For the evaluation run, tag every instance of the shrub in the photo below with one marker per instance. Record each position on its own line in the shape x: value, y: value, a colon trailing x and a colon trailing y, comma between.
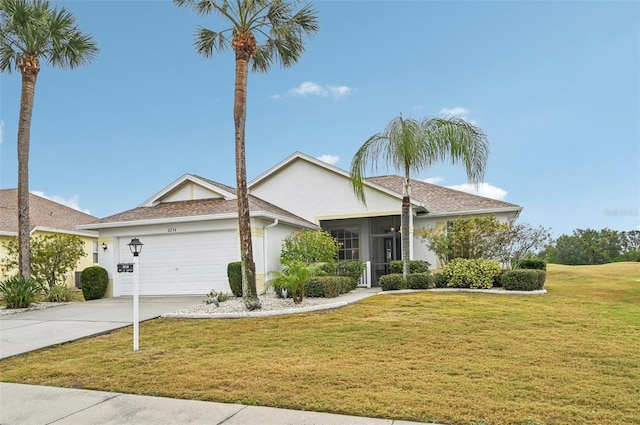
x: 19, y: 292
x: 391, y: 282
x: 293, y: 279
x: 215, y: 297
x: 94, y: 281
x: 234, y: 274
x: 327, y: 286
x: 59, y: 294
x: 420, y: 281
x: 497, y: 281
x: 415, y: 266
x: 523, y: 279
x: 309, y: 246
x: 351, y: 269
x: 471, y: 273
x: 532, y: 264
x: 440, y: 280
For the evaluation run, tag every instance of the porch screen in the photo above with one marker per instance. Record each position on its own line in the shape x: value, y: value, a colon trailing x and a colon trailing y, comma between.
x: 348, y: 243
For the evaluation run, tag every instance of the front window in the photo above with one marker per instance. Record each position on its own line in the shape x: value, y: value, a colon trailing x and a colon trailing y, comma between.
x: 348, y: 243
x: 95, y: 252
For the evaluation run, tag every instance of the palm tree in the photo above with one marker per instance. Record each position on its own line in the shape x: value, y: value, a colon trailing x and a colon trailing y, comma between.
x: 413, y: 145
x: 261, y: 32
x: 31, y: 31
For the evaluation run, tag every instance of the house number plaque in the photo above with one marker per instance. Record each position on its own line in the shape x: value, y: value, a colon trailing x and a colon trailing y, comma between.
x: 125, y: 267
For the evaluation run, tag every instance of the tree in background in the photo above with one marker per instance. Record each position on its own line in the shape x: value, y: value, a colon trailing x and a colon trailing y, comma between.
x: 589, y: 246
x: 31, y: 31
x: 52, y: 258
x: 260, y: 32
x: 411, y: 146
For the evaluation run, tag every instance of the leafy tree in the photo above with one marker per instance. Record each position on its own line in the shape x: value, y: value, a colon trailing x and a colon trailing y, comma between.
x: 413, y: 145
x: 586, y: 246
x: 52, y: 258
x: 260, y: 32
x: 309, y: 246
x: 31, y: 31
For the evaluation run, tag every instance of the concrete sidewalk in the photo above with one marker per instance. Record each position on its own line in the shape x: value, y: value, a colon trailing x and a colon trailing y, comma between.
x: 36, y: 405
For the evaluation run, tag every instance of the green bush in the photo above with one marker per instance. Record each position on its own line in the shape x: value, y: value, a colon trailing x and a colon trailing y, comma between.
x: 523, y: 279
x: 415, y: 266
x: 309, y: 246
x: 420, y: 281
x: 351, y: 269
x: 94, y: 281
x: 59, y: 294
x: 327, y: 286
x: 532, y: 264
x: 234, y: 274
x: 19, y: 292
x: 471, y: 273
x: 391, y: 282
x: 497, y: 281
x: 440, y: 280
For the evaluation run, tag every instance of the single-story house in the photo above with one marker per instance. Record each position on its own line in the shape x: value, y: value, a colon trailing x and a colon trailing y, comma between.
x: 47, y: 217
x: 190, y: 231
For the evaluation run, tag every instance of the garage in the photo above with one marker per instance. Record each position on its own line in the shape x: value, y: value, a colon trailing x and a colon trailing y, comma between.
x: 180, y: 263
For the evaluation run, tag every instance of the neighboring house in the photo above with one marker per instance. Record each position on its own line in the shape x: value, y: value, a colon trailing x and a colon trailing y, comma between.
x: 47, y: 217
x: 189, y: 232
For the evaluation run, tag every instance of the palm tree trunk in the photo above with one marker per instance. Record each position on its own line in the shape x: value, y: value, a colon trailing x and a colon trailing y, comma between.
x: 404, y: 224
x: 249, y: 290
x: 29, y: 69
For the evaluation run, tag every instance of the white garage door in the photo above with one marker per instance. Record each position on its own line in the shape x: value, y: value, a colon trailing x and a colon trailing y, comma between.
x: 181, y: 263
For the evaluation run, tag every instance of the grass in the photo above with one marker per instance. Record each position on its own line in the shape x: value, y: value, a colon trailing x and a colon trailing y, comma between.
x: 568, y: 357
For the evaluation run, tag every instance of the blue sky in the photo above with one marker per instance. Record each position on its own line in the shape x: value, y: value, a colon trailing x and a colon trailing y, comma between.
x: 555, y: 85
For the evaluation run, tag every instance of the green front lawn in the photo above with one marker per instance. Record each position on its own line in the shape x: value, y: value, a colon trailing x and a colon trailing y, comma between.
x: 568, y: 357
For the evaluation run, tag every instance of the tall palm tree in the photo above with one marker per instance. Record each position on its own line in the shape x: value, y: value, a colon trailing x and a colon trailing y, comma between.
x: 410, y: 145
x: 260, y: 32
x: 31, y: 31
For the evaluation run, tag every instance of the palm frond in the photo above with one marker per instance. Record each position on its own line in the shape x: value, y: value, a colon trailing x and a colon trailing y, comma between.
x: 206, y: 41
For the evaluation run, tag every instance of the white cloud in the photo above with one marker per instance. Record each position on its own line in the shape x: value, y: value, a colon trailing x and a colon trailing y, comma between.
x: 71, y: 202
x: 458, y: 111
x: 329, y: 159
x: 309, y: 88
x: 483, y: 189
x: 434, y: 180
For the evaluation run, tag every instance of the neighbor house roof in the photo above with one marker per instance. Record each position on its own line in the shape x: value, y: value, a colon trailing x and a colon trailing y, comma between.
x: 442, y: 200
x: 44, y: 214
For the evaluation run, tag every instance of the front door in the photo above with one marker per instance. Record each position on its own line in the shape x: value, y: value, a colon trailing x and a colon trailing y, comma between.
x: 386, y: 248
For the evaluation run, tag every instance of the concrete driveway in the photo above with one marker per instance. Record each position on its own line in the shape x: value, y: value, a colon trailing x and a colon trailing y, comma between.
x: 31, y: 330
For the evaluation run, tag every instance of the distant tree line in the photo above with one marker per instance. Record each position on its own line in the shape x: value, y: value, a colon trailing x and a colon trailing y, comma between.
x: 589, y: 246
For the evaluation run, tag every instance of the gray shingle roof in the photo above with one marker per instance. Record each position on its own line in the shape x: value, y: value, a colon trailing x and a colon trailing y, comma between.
x: 42, y: 213
x: 438, y: 199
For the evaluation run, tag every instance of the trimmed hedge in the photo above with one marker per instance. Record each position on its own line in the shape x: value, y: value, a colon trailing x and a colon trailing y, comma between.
x: 391, y: 282
x: 532, y: 264
x: 94, y: 281
x: 415, y: 266
x: 352, y: 269
x: 234, y: 274
x: 440, y: 280
x: 523, y: 279
x: 327, y: 286
x: 420, y: 281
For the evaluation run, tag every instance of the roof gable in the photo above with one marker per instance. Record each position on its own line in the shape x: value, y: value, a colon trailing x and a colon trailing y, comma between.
x: 190, y: 187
